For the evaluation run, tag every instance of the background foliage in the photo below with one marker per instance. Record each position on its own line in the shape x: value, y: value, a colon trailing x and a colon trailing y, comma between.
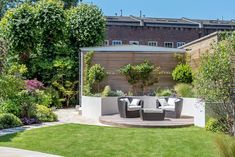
x: 46, y: 38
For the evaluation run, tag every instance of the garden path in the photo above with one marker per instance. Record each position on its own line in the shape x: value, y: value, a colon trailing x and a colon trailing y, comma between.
x: 64, y: 116
x: 12, y: 152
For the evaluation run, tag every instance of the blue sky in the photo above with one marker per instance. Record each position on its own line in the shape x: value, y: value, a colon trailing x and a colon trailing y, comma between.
x: 200, y: 9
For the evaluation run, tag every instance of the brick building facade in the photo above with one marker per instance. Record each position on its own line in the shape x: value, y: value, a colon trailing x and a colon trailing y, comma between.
x: 163, y: 32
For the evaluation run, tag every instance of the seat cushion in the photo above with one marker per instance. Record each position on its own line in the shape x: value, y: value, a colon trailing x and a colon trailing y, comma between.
x: 126, y: 100
x: 133, y: 108
x: 162, y: 101
x: 168, y: 107
x: 171, y: 101
x: 135, y: 102
x: 153, y: 110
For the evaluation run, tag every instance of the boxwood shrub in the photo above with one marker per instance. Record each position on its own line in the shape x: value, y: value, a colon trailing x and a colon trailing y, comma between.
x: 182, y: 73
x: 8, y: 120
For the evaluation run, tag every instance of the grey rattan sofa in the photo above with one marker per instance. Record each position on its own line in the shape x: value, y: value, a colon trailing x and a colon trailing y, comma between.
x: 173, y: 110
x: 129, y: 111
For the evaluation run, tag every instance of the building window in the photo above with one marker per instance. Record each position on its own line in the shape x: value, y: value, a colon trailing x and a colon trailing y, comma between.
x: 168, y: 44
x: 106, y: 43
x: 180, y: 44
x: 134, y: 42
x: 152, y: 43
x: 116, y: 42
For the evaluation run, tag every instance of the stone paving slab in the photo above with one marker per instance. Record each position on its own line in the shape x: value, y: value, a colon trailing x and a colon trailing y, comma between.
x: 12, y: 152
x: 27, y: 127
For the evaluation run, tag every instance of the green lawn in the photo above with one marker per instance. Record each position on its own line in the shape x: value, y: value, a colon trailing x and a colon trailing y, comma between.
x: 93, y: 141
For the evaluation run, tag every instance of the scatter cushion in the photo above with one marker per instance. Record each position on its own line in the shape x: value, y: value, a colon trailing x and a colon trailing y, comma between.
x: 162, y: 101
x: 153, y: 110
x: 168, y: 108
x: 171, y: 101
x: 133, y: 108
x: 126, y: 100
x: 177, y: 100
x: 135, y: 102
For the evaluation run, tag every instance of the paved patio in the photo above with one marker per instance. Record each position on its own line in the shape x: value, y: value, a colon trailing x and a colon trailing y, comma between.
x: 116, y: 120
x: 12, y: 152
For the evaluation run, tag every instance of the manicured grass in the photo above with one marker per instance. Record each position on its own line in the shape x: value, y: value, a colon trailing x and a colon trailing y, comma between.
x: 93, y: 141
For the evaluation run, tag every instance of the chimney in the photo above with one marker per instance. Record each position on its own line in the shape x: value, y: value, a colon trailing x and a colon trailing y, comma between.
x: 121, y: 12
x: 140, y: 13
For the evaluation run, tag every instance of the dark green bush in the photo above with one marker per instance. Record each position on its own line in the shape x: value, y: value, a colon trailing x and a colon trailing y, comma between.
x: 183, y: 73
x: 45, y: 114
x: 184, y: 90
x: 8, y: 120
x: 215, y: 125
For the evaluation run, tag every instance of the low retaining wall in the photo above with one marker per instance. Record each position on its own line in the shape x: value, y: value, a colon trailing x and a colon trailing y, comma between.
x: 195, y: 108
x: 94, y: 107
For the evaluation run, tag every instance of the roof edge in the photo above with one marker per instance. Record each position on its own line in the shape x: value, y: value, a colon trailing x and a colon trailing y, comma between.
x: 198, y: 40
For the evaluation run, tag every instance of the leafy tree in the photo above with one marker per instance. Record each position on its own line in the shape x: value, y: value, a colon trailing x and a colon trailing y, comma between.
x: 214, y: 82
x: 148, y: 75
x: 86, y: 25
x: 142, y: 75
x: 16, y: 27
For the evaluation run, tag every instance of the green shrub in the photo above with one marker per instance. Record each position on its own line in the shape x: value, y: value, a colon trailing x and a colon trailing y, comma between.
x: 8, y: 120
x: 55, y: 97
x: 182, y: 73
x: 10, y: 107
x: 108, y: 92
x: 215, y: 125
x: 164, y: 92
x: 96, y: 74
x: 45, y: 114
x: 184, y: 90
x: 44, y: 98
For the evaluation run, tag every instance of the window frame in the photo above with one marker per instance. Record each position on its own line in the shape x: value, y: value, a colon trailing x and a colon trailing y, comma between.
x: 169, y: 43
x: 116, y: 41
x: 152, y: 44
x: 180, y: 43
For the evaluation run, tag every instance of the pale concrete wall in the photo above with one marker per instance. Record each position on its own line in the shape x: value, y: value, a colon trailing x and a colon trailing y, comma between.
x: 91, y: 107
x: 94, y: 107
x: 109, y: 106
x: 195, y: 108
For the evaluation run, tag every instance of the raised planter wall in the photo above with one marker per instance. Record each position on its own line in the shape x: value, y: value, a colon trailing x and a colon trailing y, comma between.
x: 195, y: 108
x: 94, y: 107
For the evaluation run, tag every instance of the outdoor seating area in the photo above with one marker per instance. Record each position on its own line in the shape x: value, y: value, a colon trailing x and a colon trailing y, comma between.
x: 171, y: 107
x: 135, y: 112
